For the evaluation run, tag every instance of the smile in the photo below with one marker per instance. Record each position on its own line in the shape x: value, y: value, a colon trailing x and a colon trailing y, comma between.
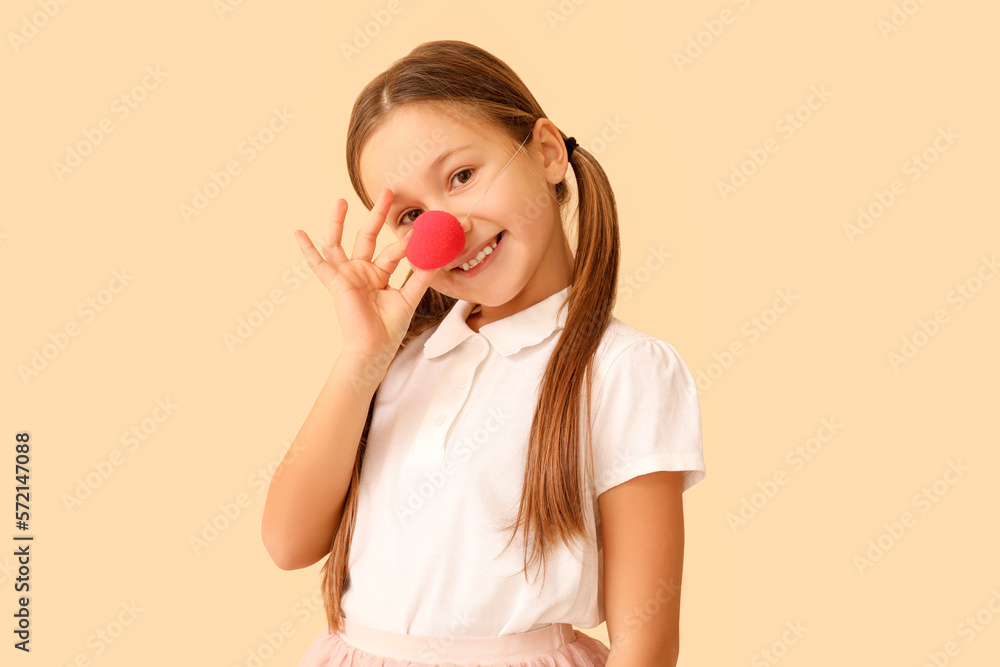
x: 480, y: 261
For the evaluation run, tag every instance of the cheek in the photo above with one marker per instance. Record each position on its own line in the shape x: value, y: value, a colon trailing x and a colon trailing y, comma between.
x: 530, y: 202
x: 516, y: 207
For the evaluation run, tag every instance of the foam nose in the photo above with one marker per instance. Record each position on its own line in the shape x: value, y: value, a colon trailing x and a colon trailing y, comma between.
x: 438, y: 238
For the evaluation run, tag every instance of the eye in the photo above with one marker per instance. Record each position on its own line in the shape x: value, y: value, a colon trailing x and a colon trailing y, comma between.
x: 404, y: 217
x: 464, y: 171
x: 404, y: 220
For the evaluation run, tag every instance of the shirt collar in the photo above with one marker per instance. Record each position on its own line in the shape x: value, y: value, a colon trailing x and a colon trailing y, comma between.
x: 508, y: 335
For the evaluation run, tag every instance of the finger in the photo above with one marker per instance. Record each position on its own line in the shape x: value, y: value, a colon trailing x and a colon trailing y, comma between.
x: 316, y: 263
x: 392, y: 254
x: 413, y: 289
x: 364, y: 243
x: 333, y: 250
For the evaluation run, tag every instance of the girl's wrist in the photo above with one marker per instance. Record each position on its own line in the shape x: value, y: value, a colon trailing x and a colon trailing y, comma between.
x: 364, y: 372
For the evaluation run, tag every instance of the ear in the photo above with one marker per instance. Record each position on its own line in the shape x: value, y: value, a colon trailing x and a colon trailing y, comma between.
x: 555, y: 158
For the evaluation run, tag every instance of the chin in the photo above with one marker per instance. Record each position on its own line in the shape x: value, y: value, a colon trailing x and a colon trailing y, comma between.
x: 499, y: 293
x: 490, y: 295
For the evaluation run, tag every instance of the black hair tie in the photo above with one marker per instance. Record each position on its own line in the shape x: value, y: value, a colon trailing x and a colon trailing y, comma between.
x: 570, y: 145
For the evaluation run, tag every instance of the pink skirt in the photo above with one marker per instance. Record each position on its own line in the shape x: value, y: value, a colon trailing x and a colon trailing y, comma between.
x: 558, y: 645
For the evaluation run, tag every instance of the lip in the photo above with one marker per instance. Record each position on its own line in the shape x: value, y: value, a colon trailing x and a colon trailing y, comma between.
x: 473, y: 254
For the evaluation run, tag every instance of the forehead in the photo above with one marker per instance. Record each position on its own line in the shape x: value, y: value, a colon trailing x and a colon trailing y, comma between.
x: 405, y: 144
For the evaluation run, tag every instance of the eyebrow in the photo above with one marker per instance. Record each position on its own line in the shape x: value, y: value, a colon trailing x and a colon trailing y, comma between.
x: 435, y: 165
x: 436, y: 162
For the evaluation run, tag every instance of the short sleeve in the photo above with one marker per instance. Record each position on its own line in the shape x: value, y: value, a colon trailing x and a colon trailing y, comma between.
x: 648, y: 418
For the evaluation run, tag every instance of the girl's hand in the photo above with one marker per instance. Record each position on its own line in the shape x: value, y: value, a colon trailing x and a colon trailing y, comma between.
x: 373, y: 316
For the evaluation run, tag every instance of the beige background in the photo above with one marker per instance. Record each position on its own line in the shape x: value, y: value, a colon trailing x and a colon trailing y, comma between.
x: 667, y: 134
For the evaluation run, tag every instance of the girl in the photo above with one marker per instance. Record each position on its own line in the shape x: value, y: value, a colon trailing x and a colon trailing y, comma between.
x: 487, y: 411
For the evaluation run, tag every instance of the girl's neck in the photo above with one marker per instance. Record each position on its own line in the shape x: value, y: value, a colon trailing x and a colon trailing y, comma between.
x: 473, y: 320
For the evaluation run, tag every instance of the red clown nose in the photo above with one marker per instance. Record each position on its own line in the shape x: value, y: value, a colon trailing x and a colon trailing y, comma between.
x: 437, y: 239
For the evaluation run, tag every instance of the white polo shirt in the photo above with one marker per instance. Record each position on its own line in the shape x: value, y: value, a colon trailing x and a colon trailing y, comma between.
x: 445, y: 461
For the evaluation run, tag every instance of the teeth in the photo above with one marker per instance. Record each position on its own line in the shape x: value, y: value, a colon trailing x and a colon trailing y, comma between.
x: 480, y: 257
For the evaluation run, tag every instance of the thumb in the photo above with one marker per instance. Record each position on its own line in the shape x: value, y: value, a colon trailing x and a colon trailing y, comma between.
x: 416, y: 285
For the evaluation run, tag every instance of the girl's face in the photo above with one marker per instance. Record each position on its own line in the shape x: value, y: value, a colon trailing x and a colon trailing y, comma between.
x: 430, y: 162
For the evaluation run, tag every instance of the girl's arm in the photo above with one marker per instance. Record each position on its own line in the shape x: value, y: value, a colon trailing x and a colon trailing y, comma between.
x: 306, y: 496
x: 642, y: 528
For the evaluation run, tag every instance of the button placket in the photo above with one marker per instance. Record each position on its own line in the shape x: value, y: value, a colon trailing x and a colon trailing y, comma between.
x: 449, y: 403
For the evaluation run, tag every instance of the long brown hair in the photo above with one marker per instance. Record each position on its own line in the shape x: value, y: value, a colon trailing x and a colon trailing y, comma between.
x: 467, y: 82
